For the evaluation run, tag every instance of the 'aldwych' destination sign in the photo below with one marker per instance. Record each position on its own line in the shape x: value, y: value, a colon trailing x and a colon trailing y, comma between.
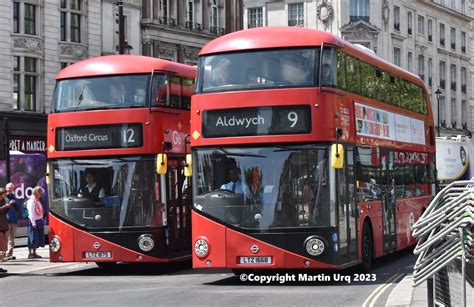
x: 257, y: 121
x: 99, y: 137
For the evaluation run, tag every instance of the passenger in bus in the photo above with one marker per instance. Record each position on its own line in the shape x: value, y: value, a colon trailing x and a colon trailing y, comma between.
x: 326, y: 75
x: 117, y: 93
x: 92, y: 189
x: 252, y: 77
x: 235, y: 184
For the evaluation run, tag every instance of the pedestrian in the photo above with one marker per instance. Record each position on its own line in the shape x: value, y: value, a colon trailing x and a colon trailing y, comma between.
x: 4, y: 207
x: 12, y: 218
x: 35, y: 222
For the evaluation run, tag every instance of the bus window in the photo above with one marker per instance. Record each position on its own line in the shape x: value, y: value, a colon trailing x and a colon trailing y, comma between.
x: 328, y: 67
x: 172, y: 91
x: 367, y: 173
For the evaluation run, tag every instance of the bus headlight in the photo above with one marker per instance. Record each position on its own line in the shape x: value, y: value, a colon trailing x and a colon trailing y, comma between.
x: 55, y: 244
x: 146, y: 242
x: 314, y: 246
x: 201, y: 248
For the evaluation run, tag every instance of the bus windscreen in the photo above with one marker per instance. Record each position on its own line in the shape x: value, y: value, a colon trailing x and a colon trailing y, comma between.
x: 111, y: 92
x: 296, y: 67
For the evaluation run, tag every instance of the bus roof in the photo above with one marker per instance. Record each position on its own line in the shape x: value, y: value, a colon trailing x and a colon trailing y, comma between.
x: 288, y: 37
x: 123, y: 64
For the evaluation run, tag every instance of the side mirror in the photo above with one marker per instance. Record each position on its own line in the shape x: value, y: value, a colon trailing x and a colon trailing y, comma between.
x: 337, y: 156
x: 188, y: 167
x: 161, y: 164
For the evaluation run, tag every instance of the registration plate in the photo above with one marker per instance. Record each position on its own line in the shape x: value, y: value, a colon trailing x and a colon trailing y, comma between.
x: 255, y: 260
x: 98, y: 255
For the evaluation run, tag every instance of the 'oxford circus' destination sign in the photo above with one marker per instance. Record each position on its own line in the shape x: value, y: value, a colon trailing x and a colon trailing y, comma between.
x: 99, y: 137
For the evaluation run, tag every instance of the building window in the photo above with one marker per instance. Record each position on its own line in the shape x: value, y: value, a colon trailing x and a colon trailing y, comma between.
x: 396, y: 18
x: 430, y: 72
x: 430, y: 30
x: 454, y: 113
x: 25, y: 79
x: 463, y: 6
x: 295, y: 14
x: 16, y: 17
x: 421, y: 66
x: 464, y: 114
x: 441, y: 34
x: 409, y: 60
x: 190, y: 12
x: 442, y: 74
x: 410, y: 22
x: 359, y: 10
x: 71, y: 19
x: 421, y: 25
x: 397, y: 59
x: 453, y: 38
x: 255, y: 16
x: 24, y: 18
x: 442, y: 111
x: 30, y: 19
x: 463, y: 42
x: 463, y: 80
x: 453, y: 76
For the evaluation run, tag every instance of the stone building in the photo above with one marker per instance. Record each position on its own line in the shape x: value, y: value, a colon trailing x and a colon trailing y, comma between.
x: 39, y: 37
x: 430, y: 38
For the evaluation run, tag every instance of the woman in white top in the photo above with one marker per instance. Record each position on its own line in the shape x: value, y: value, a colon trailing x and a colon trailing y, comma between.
x: 35, y: 225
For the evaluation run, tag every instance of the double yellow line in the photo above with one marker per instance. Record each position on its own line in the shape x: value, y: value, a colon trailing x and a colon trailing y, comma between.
x: 374, y: 296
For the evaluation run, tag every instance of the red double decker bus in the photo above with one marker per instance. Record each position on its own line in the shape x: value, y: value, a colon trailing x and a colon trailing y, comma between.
x: 308, y: 152
x: 114, y: 197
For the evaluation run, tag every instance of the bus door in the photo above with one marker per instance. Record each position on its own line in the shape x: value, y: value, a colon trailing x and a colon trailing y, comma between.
x: 178, y: 209
x: 347, y: 214
x: 388, y: 201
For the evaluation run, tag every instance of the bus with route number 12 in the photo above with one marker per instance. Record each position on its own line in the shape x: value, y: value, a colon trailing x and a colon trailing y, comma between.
x: 307, y: 152
x: 116, y: 145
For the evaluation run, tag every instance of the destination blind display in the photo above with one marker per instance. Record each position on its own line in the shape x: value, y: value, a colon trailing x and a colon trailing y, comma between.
x: 257, y: 121
x: 99, y: 137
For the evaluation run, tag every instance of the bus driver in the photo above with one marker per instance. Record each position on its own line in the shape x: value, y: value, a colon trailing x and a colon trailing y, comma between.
x: 92, y: 190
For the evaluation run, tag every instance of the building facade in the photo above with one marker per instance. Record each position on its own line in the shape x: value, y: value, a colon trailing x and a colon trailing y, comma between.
x: 430, y: 38
x: 40, y: 37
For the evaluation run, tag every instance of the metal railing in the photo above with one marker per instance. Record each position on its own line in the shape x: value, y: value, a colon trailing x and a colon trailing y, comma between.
x: 444, y: 233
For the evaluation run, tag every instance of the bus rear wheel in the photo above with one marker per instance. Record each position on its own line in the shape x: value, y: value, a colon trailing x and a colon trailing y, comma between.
x: 367, y: 248
x: 106, y: 265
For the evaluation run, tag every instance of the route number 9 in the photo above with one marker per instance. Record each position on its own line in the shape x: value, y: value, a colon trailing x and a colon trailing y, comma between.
x: 293, y: 118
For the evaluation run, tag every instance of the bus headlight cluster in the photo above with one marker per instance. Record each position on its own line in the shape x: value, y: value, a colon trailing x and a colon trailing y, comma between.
x: 314, y: 246
x: 146, y: 243
x: 55, y: 244
x: 201, y: 248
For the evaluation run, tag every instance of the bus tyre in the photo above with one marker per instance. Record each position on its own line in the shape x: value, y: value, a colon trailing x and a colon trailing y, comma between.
x: 367, y: 248
x: 106, y: 265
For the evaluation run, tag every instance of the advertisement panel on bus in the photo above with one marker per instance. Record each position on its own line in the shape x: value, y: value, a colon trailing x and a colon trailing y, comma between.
x: 27, y: 171
x: 453, y: 156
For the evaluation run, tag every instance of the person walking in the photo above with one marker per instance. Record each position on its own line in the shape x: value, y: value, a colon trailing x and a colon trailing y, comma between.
x: 35, y: 222
x: 4, y: 207
x: 12, y: 217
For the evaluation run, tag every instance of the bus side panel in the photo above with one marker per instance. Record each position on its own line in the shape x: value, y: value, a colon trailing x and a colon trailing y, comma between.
x: 373, y: 211
x: 65, y: 234
x: 408, y: 212
x: 214, y: 234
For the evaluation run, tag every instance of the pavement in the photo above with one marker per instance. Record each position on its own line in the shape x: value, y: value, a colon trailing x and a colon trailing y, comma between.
x: 404, y: 294
x: 23, y: 265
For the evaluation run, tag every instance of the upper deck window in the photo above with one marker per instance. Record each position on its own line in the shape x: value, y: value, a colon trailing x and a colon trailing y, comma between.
x: 258, y: 69
x: 109, y: 92
x: 123, y: 91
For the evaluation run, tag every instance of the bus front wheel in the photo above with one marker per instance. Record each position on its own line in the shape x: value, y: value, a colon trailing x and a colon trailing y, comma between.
x: 367, y: 247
